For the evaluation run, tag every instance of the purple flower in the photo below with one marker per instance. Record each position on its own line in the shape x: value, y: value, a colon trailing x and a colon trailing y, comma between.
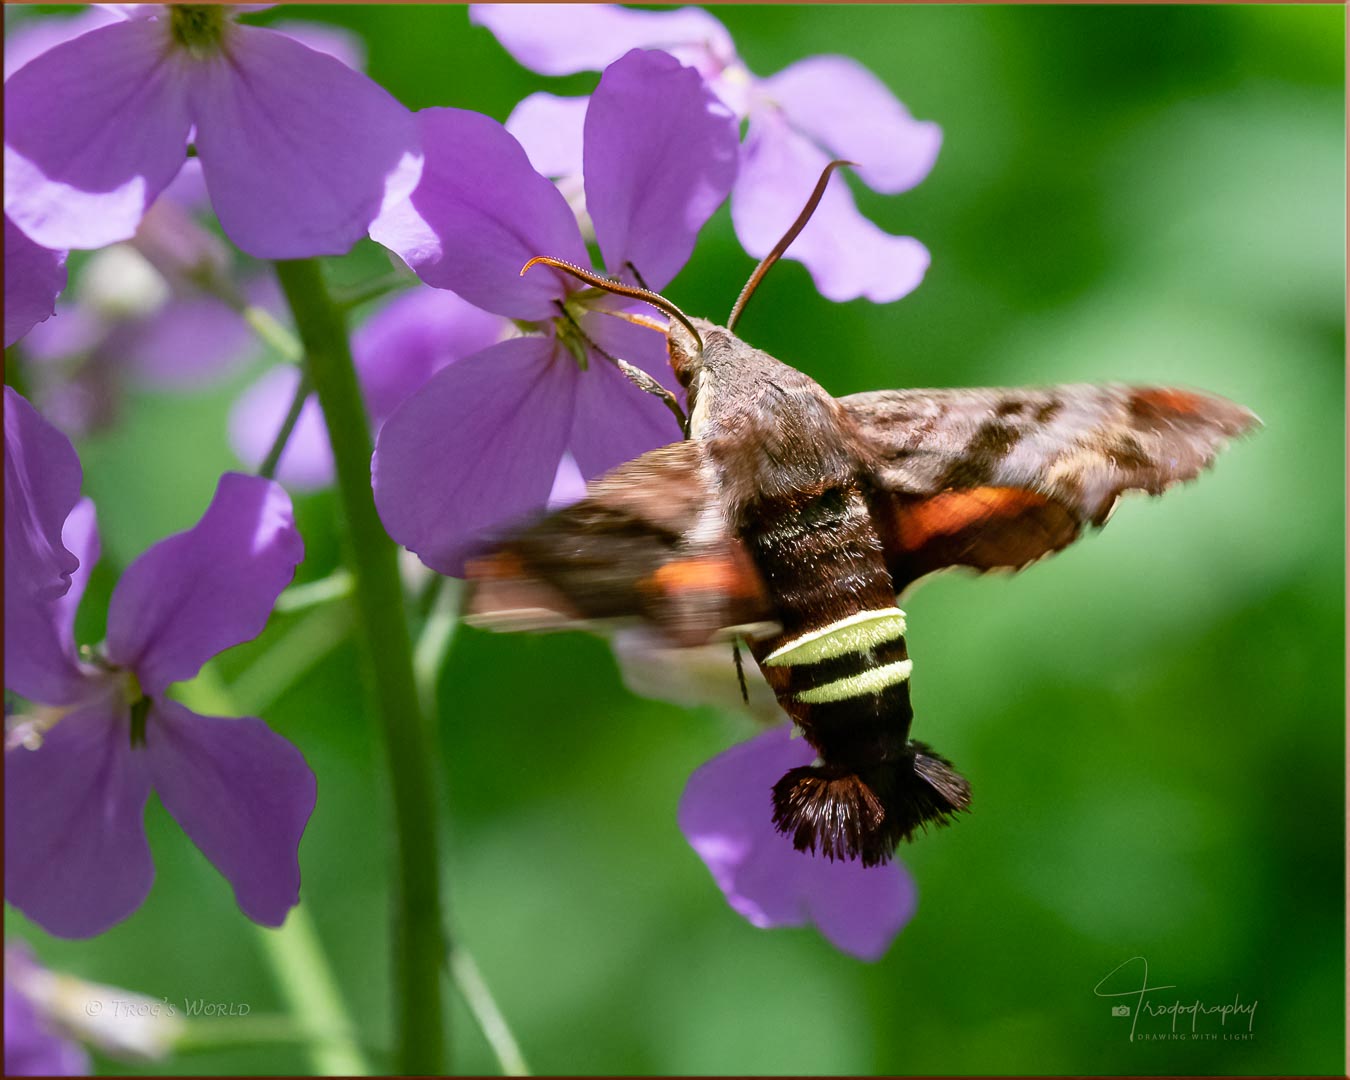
x: 76, y: 858
x: 395, y: 352
x: 34, y: 1043
x: 299, y: 151
x: 480, y: 444
x: 725, y: 815
x: 798, y: 119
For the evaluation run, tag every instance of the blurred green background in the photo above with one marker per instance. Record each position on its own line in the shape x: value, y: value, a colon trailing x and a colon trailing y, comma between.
x: 1153, y: 721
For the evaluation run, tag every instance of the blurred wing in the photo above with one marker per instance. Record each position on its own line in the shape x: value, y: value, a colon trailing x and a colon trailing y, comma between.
x: 999, y: 478
x: 648, y: 542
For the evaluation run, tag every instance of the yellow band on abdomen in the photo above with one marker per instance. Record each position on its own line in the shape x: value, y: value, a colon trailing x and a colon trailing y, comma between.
x: 866, y: 682
x: 858, y: 633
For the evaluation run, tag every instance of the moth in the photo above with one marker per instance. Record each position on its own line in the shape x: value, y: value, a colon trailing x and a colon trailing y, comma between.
x: 792, y: 520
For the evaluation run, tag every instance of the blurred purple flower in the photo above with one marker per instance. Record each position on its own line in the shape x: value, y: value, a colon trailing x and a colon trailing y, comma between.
x: 47, y: 1011
x: 395, y: 352
x: 725, y: 814
x: 34, y: 1042
x: 76, y: 858
x: 158, y: 311
x: 480, y: 444
x: 299, y: 151
x: 816, y: 109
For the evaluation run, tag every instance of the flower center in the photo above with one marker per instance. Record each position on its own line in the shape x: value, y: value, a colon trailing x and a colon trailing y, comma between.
x: 197, y: 27
x: 567, y: 329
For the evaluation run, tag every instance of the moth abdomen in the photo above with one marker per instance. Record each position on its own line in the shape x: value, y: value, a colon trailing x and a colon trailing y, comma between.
x: 844, y: 814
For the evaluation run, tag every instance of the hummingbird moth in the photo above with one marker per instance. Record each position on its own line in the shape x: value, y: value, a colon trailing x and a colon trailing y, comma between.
x: 792, y: 520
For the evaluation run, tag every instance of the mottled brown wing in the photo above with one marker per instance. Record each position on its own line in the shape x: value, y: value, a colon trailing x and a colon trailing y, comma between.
x: 648, y: 542
x: 999, y: 478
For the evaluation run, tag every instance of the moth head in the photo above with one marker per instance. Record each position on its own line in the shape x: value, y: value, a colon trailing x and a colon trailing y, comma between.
x: 688, y: 330
x: 686, y: 346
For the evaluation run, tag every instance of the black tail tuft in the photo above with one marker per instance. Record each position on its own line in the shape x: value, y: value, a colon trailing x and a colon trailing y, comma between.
x: 847, y: 815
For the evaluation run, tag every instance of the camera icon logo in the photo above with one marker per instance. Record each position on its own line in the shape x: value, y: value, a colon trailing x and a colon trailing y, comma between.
x: 1120, y: 1010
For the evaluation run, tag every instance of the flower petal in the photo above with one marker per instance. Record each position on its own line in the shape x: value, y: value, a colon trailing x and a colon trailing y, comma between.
x: 300, y: 152
x: 80, y: 535
x: 41, y: 663
x: 846, y: 108
x: 615, y: 421
x: 335, y: 41
x: 42, y: 485
x: 34, y: 36
x: 474, y: 449
x: 726, y: 813
x: 661, y: 155
x: 569, y: 485
x: 479, y: 215
x: 411, y: 338
x: 94, y: 131
x: 34, y: 277
x: 555, y: 40
x: 859, y: 910
x: 242, y: 793
x: 76, y: 858
x: 846, y: 254
x: 208, y: 588
x: 550, y: 129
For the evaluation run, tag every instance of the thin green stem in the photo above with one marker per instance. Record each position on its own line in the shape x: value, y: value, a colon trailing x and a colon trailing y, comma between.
x: 226, y: 1033
x: 336, y: 586
x: 419, y: 937
x: 293, y: 952
x: 433, y: 643
x: 268, y: 468
x: 314, y: 636
x: 265, y: 325
x: 472, y: 986
x: 373, y: 290
x: 312, y: 996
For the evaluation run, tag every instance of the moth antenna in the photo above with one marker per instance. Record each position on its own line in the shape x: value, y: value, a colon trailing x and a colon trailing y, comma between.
x: 779, y: 248
x: 618, y: 288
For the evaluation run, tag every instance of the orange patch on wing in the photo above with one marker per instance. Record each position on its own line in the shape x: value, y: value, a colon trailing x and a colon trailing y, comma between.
x: 499, y: 567
x: 1162, y: 399
x: 705, y: 574
x: 954, y: 511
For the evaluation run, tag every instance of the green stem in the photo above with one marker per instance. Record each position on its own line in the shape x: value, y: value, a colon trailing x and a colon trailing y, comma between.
x: 268, y: 468
x: 419, y: 937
